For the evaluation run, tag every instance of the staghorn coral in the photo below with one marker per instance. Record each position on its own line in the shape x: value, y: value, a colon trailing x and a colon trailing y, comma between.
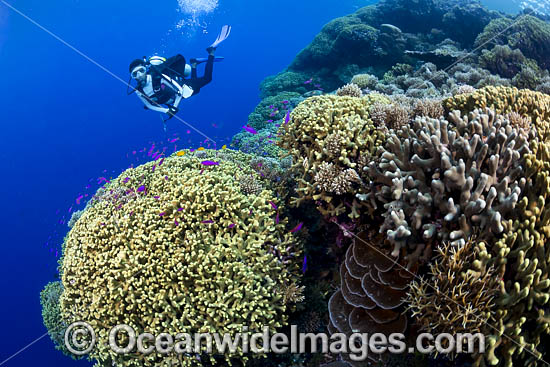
x: 351, y: 90
x: 459, y: 293
x: 440, y: 179
x: 317, y: 128
x: 189, y: 254
x: 503, y: 100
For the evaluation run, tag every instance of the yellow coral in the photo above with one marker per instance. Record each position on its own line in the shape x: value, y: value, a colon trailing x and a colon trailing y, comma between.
x: 504, y: 100
x: 336, y: 130
x: 189, y: 253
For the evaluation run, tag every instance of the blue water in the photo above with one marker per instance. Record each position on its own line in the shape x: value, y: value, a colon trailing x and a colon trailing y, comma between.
x: 66, y: 121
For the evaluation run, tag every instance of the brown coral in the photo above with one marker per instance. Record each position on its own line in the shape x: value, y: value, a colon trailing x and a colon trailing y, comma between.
x: 459, y: 294
x: 351, y: 90
x: 439, y: 179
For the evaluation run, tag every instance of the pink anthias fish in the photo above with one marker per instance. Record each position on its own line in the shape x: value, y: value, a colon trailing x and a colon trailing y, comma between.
x: 308, y: 81
x: 210, y: 163
x: 273, y: 205
x: 287, y: 117
x: 250, y: 129
x: 231, y: 225
x: 209, y: 221
x: 297, y: 228
x: 78, y: 199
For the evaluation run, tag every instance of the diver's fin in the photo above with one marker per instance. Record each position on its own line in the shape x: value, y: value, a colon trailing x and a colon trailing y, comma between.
x: 200, y: 60
x: 226, y: 30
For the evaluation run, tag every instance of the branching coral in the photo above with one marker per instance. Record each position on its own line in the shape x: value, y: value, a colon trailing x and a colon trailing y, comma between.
x: 189, y: 254
x: 51, y: 315
x: 351, y: 90
x: 326, y: 136
x: 439, y: 179
x: 503, y: 100
x: 459, y: 294
x: 365, y: 81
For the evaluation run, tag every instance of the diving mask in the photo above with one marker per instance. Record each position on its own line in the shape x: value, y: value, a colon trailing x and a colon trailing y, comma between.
x: 138, y: 72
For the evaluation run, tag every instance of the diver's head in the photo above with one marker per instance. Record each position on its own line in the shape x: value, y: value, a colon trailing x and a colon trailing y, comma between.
x: 137, y: 69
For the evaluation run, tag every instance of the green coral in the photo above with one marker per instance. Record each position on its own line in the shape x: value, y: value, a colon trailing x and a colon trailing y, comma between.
x: 259, y: 118
x: 187, y: 252
x: 286, y: 81
x: 527, y: 33
x: 51, y: 315
x: 330, y: 139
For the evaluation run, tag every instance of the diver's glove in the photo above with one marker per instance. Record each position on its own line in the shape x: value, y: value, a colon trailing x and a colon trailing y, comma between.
x: 172, y: 111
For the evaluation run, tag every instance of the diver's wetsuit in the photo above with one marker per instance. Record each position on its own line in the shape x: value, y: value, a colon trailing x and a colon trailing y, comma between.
x: 175, y: 68
x: 197, y: 83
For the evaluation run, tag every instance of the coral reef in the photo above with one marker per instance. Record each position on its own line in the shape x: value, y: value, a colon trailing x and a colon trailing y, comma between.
x: 439, y: 179
x: 172, y: 260
x: 351, y: 90
x: 372, y: 291
x: 460, y: 295
x: 526, y: 33
x: 527, y: 103
x: 364, y: 81
x: 51, y: 315
x: 326, y: 136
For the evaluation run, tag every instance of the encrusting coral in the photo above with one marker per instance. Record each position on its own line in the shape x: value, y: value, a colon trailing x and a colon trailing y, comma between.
x: 326, y: 136
x: 438, y: 179
x: 191, y: 253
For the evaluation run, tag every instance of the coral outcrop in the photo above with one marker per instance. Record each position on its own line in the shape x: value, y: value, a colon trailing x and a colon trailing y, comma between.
x: 439, y: 179
x: 189, y: 253
x: 326, y: 137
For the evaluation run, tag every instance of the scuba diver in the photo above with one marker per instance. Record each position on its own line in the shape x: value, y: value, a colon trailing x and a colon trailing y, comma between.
x: 163, y: 83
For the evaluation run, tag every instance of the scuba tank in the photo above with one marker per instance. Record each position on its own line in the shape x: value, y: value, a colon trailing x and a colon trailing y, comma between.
x: 159, y: 60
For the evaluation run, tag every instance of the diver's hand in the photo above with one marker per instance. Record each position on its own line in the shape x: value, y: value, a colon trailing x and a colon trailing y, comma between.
x: 172, y: 111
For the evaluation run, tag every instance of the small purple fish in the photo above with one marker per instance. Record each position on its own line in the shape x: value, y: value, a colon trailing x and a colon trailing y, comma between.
x: 272, y: 114
x: 285, y: 101
x: 304, y: 265
x: 161, y: 162
x: 277, y: 218
x: 78, y: 199
x: 287, y: 117
x: 141, y: 188
x: 180, y: 209
x: 154, y: 166
x: 269, y: 120
x: 250, y: 129
x: 297, y: 228
x: 308, y: 81
x: 176, y: 223
x: 162, y: 214
x: 207, y: 221
x: 273, y: 205
x: 126, y: 180
x: 231, y: 225
x: 210, y: 163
